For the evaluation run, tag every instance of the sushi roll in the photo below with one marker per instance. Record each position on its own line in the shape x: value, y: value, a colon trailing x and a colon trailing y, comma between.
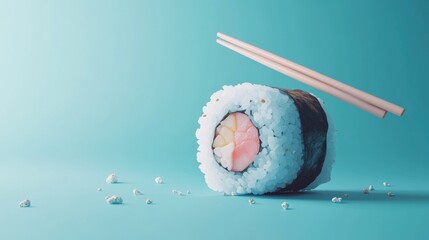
x: 255, y: 139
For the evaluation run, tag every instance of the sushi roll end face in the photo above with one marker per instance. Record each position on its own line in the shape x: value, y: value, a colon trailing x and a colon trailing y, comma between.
x: 257, y: 139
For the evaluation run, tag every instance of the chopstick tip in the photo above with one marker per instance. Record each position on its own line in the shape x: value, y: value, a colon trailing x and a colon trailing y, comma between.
x: 220, y: 41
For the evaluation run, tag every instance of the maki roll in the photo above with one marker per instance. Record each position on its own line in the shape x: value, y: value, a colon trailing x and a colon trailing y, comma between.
x: 255, y: 139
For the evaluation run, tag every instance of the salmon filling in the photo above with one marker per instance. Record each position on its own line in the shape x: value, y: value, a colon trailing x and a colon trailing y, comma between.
x: 236, y: 142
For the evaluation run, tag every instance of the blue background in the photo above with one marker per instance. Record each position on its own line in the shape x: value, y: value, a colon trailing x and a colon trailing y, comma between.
x: 93, y: 87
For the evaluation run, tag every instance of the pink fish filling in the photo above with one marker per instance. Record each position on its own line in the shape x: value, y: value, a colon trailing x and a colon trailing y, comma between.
x: 236, y: 142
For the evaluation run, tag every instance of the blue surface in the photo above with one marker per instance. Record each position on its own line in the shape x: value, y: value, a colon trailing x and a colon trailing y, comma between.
x: 88, y: 88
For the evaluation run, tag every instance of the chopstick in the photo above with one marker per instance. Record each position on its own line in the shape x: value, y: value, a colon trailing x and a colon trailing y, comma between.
x: 307, y: 80
x: 361, y: 99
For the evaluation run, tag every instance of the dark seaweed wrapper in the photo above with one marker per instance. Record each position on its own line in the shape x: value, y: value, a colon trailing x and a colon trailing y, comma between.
x: 314, y: 128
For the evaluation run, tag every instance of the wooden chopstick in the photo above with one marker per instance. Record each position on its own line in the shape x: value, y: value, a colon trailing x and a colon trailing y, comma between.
x: 373, y: 100
x: 307, y: 80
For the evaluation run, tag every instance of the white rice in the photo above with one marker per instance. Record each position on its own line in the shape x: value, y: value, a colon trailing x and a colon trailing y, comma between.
x: 276, y: 117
